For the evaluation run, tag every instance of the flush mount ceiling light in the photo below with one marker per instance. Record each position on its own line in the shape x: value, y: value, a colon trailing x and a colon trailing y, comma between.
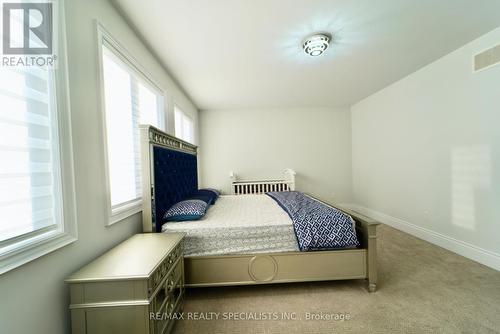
x: 316, y: 44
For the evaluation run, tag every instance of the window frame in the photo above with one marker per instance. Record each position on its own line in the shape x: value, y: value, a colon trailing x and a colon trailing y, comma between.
x: 115, y: 214
x: 25, y: 248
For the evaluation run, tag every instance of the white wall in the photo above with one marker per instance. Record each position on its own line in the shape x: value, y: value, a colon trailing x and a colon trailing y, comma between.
x: 34, y: 298
x: 316, y: 143
x: 426, y: 150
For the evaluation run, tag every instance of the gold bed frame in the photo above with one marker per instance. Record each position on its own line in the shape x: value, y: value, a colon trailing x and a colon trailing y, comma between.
x: 262, y: 268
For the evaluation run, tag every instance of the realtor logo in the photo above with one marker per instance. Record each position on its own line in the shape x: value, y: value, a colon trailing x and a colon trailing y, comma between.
x: 27, y: 28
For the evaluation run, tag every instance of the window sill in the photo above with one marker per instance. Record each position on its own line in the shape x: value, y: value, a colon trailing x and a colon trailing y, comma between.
x: 124, y: 211
x: 34, y: 249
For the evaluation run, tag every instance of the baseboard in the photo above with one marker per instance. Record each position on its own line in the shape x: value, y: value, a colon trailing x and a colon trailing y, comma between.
x: 465, y: 249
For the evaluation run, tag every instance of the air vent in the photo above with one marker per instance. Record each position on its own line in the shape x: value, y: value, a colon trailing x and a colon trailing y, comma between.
x: 487, y: 58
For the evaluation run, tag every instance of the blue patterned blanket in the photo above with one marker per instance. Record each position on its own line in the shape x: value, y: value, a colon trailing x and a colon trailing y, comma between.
x: 317, y: 226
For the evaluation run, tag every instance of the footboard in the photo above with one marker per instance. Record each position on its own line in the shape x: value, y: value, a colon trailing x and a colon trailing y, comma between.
x: 367, y: 228
x: 270, y: 268
x: 243, y: 187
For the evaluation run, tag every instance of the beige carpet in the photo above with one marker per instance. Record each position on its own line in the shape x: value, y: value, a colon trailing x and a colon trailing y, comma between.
x: 422, y: 289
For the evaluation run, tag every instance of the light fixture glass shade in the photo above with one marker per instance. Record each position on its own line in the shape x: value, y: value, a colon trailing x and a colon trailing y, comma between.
x: 315, y: 45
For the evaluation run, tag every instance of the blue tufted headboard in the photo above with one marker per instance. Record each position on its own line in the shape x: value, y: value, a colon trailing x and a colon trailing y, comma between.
x: 169, y: 174
x: 175, y: 178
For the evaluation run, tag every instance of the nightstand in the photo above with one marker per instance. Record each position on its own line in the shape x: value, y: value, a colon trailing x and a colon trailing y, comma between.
x: 122, y: 290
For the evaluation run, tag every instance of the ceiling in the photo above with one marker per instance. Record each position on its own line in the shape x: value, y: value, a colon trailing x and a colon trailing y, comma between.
x: 237, y: 54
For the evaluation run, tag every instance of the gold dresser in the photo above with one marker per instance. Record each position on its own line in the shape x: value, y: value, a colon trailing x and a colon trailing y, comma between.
x: 127, y: 289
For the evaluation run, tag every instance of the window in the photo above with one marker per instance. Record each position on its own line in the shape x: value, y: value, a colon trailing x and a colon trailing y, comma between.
x: 130, y: 99
x: 37, y: 202
x: 30, y: 187
x: 184, y: 127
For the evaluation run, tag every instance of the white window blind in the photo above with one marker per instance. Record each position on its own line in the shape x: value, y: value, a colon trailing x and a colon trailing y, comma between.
x: 37, y: 196
x: 30, y: 184
x: 184, y: 126
x: 129, y: 101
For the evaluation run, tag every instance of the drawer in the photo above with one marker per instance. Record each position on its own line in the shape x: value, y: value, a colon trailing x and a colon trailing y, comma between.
x: 161, y: 324
x: 175, y: 276
x: 171, y: 305
x: 168, y: 284
x: 174, y: 308
x: 159, y: 274
x: 162, y: 305
x: 160, y: 299
x: 178, y: 250
x: 174, y: 255
x: 177, y: 295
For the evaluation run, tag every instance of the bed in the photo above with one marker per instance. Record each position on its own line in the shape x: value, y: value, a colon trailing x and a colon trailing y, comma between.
x: 246, y: 238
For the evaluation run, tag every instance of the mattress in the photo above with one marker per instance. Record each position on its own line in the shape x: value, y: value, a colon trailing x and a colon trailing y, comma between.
x: 238, y: 224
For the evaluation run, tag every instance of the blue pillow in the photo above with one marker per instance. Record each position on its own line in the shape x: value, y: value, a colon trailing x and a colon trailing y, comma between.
x: 207, y: 192
x: 191, y: 209
x: 204, y: 197
x: 215, y: 191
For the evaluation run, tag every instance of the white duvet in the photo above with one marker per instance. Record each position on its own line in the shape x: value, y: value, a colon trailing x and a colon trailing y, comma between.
x: 237, y: 225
